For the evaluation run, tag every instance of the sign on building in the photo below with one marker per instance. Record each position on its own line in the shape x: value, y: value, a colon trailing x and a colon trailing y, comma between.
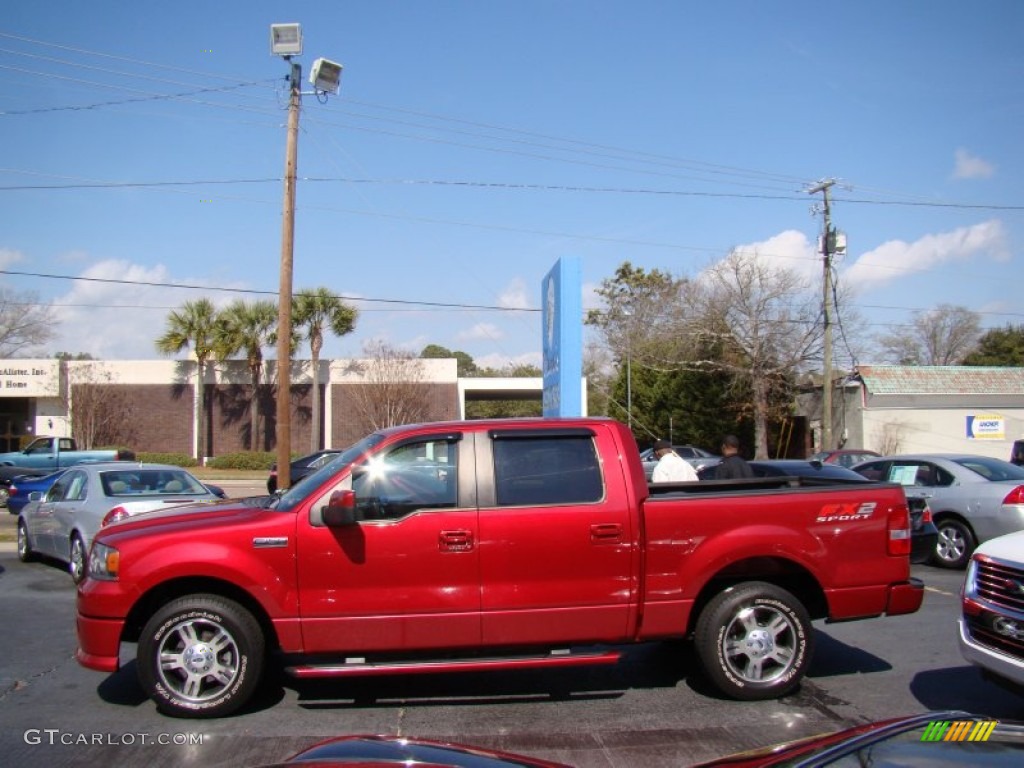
x: 986, y: 426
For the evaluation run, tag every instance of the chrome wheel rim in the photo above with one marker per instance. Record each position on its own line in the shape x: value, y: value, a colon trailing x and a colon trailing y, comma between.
x: 759, y: 644
x: 22, y: 540
x: 952, y: 544
x: 76, y: 562
x: 198, y: 659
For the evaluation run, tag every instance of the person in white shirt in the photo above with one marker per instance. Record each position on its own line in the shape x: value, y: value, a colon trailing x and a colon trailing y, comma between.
x: 671, y: 468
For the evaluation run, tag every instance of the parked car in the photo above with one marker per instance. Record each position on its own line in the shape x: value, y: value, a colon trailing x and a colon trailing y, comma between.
x: 23, y: 486
x: 299, y: 468
x: 1017, y: 453
x: 992, y: 612
x: 61, y: 524
x: 972, y: 498
x: 845, y: 457
x: 933, y: 738
x: 924, y: 534
x: 392, y: 751
x: 697, y: 457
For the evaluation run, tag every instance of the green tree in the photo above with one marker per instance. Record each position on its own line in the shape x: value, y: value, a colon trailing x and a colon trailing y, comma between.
x: 999, y: 347
x: 193, y: 326
x: 466, y: 365
x: 247, y: 328
x: 315, y: 310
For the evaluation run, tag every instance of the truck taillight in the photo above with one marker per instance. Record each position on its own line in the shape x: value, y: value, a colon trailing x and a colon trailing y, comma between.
x: 117, y: 513
x: 1016, y: 496
x: 899, y: 531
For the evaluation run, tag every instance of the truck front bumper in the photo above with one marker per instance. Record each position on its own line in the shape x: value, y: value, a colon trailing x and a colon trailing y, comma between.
x: 905, y: 597
x: 99, y: 643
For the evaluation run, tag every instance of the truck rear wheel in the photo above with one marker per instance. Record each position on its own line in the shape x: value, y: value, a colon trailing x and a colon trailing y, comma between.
x: 201, y: 656
x: 755, y: 641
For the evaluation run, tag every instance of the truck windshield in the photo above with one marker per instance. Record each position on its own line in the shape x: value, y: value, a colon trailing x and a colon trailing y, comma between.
x: 290, y: 498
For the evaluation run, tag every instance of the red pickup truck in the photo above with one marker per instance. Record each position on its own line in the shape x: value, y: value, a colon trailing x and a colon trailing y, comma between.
x: 484, y: 545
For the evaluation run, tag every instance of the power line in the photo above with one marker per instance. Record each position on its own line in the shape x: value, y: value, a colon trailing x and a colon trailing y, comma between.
x: 155, y: 284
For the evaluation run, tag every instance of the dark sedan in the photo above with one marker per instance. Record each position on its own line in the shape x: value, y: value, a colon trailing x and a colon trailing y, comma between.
x: 301, y: 467
x: 924, y: 534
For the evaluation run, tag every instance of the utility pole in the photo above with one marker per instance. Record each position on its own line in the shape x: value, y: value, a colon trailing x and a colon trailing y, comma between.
x: 284, y: 310
x: 325, y: 75
x: 827, y: 241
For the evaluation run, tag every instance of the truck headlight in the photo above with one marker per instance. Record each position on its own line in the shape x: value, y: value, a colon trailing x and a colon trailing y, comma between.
x: 104, y: 562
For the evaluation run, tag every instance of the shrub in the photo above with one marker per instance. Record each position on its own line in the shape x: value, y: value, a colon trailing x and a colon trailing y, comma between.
x: 177, y: 459
x: 243, y: 460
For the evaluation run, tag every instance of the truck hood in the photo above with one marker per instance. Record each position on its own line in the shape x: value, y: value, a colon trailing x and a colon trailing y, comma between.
x: 206, y: 512
x: 1006, y: 547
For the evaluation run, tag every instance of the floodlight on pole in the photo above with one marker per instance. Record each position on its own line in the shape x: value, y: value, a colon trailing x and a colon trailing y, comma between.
x: 325, y: 76
x: 286, y: 40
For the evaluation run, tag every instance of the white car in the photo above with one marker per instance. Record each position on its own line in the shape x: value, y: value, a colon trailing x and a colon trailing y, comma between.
x: 62, y: 523
x: 992, y: 614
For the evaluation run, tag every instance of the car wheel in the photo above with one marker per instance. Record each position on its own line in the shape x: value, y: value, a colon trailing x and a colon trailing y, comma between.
x: 201, y: 656
x: 25, y: 553
x: 76, y: 560
x: 755, y: 641
x: 955, y: 543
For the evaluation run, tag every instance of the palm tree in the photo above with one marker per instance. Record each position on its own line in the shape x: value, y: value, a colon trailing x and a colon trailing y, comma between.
x: 315, y: 309
x: 247, y: 328
x: 193, y: 326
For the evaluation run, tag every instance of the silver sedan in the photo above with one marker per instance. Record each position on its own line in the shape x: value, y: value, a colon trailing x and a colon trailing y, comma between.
x: 62, y: 523
x: 972, y: 498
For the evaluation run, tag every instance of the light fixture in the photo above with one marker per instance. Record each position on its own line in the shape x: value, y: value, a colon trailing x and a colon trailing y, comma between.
x: 285, y: 39
x: 326, y: 76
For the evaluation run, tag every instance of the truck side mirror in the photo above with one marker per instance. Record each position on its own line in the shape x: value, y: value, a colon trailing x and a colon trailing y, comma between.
x: 340, y: 510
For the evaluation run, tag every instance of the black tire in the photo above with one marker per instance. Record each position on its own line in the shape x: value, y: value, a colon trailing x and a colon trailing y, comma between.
x: 754, y: 641
x: 77, y: 557
x: 955, y: 545
x: 25, y: 552
x: 201, y: 656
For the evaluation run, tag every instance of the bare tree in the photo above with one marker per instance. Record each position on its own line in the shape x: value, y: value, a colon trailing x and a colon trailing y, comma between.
x: 24, y: 322
x: 945, y: 335
x: 769, y: 317
x: 393, y: 390
x: 890, y: 437
x: 100, y: 410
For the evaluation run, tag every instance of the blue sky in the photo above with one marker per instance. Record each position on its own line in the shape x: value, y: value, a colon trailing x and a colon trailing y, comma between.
x: 474, y: 143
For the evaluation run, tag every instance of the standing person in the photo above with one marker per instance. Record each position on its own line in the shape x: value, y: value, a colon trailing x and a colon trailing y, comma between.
x: 671, y: 467
x: 732, y: 466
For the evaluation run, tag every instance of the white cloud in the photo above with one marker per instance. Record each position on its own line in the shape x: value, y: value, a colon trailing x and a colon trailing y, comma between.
x: 498, y: 361
x: 9, y: 256
x: 114, y: 321
x: 789, y: 250
x: 515, y: 295
x: 968, y: 166
x: 485, y: 331
x: 896, y: 258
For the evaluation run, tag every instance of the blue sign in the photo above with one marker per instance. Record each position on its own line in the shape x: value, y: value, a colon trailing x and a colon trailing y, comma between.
x: 562, y: 327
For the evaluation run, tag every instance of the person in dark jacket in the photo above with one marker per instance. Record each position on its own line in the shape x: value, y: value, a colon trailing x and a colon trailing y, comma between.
x: 732, y: 466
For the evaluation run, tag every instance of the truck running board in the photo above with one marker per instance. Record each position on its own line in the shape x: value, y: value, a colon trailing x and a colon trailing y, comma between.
x: 359, y: 667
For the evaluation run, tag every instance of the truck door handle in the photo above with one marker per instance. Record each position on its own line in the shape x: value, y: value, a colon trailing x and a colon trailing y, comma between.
x: 602, y: 532
x: 455, y: 541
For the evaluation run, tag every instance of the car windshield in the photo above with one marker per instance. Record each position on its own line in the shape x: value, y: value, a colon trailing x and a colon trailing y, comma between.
x: 991, y: 469
x: 290, y: 498
x: 145, y: 481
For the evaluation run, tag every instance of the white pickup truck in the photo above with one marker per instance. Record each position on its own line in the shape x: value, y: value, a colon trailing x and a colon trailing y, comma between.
x: 992, y: 618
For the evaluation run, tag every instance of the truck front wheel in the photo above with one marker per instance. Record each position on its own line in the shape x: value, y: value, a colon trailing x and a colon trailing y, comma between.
x: 755, y: 641
x: 201, y: 656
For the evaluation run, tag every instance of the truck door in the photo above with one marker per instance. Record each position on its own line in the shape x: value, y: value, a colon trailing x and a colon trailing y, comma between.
x: 406, y: 574
x: 557, y: 549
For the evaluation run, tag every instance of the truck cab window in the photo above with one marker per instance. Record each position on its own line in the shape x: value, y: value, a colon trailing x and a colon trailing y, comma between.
x: 542, y: 470
x: 413, y: 476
